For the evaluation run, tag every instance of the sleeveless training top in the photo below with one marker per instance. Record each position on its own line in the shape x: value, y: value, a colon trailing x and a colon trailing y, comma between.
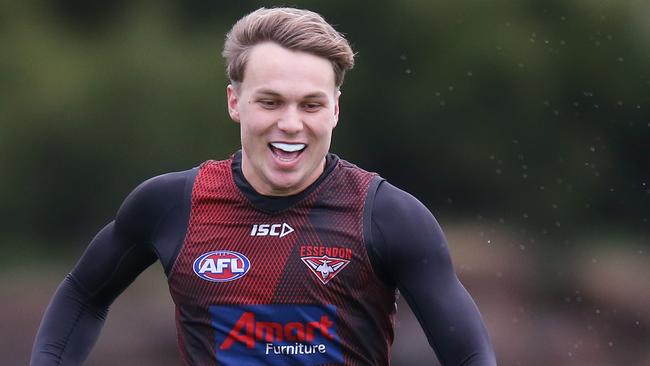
x: 280, y: 288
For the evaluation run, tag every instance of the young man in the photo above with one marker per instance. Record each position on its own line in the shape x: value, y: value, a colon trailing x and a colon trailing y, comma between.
x: 284, y: 253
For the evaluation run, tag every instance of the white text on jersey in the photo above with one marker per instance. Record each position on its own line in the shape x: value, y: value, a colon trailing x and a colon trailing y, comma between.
x: 280, y: 230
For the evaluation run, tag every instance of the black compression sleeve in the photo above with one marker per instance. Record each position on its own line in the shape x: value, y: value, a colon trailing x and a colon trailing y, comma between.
x: 411, y: 251
x: 114, y: 258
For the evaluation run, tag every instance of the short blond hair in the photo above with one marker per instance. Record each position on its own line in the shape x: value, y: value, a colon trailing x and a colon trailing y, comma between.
x: 294, y: 29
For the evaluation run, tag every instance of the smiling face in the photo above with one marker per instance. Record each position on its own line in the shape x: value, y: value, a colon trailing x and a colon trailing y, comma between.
x: 287, y: 106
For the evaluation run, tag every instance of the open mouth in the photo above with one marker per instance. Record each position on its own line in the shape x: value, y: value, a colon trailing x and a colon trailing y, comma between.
x: 285, y: 151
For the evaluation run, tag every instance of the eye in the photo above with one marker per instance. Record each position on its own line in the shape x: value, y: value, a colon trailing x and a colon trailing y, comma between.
x: 312, y: 106
x: 269, y: 103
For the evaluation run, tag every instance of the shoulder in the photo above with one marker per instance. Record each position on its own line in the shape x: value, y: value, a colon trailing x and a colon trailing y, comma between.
x: 153, y: 198
x: 154, y: 190
x: 399, y: 215
x: 390, y: 199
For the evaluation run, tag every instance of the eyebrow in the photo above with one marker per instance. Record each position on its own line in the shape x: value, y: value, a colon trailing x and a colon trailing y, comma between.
x: 276, y: 94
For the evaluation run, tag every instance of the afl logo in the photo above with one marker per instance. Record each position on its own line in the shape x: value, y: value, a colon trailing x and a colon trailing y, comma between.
x: 221, y: 266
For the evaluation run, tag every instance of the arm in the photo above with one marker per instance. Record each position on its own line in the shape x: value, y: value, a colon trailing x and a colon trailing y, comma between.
x: 411, y: 251
x: 114, y: 258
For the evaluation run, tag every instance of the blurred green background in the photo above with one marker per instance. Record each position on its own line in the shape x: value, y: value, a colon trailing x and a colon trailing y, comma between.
x: 523, y: 125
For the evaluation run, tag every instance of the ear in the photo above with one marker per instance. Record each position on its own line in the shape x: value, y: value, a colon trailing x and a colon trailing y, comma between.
x: 336, y: 106
x: 233, y: 102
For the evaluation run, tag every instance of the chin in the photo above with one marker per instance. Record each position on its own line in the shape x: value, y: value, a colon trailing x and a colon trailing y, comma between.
x: 284, y: 184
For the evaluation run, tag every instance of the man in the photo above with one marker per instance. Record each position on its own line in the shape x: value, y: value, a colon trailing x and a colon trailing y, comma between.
x: 284, y: 253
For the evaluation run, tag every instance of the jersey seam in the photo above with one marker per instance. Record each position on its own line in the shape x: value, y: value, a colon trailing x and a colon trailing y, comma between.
x: 102, y: 286
x: 156, y: 229
x: 188, y: 191
x: 381, y: 259
x: 368, y: 241
x: 85, y: 307
x: 67, y: 337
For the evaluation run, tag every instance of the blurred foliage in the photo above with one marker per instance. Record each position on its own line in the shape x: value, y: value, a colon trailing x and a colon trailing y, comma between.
x: 532, y: 113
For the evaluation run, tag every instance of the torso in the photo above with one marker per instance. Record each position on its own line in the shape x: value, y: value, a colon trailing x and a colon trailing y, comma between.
x: 294, y: 286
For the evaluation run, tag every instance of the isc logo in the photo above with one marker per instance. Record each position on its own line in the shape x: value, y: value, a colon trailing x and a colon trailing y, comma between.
x: 280, y: 230
x: 221, y: 266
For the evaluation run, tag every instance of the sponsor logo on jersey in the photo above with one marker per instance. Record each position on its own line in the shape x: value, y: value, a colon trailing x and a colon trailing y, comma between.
x: 325, y: 268
x: 221, y: 266
x: 276, y: 335
x: 319, y: 251
x: 280, y: 230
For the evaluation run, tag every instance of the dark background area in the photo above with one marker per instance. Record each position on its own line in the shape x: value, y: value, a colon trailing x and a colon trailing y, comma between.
x: 523, y: 125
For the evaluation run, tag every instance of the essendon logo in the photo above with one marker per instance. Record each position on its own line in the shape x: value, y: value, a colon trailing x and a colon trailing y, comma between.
x: 276, y: 335
x: 325, y: 268
x: 221, y: 266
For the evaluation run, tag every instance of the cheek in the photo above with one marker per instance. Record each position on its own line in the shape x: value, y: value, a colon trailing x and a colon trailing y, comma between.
x: 325, y: 127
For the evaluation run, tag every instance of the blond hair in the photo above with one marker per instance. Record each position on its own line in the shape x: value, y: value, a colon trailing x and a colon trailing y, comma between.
x: 295, y: 29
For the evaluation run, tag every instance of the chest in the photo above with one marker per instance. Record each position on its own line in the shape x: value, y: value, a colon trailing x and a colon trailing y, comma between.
x: 312, y: 253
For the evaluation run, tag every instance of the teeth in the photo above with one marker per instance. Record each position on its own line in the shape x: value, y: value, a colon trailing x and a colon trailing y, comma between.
x: 288, y: 147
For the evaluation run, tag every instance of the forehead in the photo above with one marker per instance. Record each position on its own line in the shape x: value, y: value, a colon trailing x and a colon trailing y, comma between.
x: 287, y: 72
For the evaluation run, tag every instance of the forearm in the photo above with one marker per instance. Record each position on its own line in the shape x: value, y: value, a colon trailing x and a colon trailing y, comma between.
x: 69, y: 328
x: 452, y: 323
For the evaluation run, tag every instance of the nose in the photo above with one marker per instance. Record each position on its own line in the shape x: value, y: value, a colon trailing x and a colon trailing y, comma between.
x: 290, y: 121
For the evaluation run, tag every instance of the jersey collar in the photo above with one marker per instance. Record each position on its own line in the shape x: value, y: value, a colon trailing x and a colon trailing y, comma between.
x: 273, y: 204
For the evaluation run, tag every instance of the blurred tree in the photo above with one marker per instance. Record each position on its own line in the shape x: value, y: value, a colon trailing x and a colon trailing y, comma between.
x: 533, y: 111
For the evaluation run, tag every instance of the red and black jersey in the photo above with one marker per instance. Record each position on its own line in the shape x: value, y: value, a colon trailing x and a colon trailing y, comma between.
x: 308, y: 279
x: 275, y: 288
